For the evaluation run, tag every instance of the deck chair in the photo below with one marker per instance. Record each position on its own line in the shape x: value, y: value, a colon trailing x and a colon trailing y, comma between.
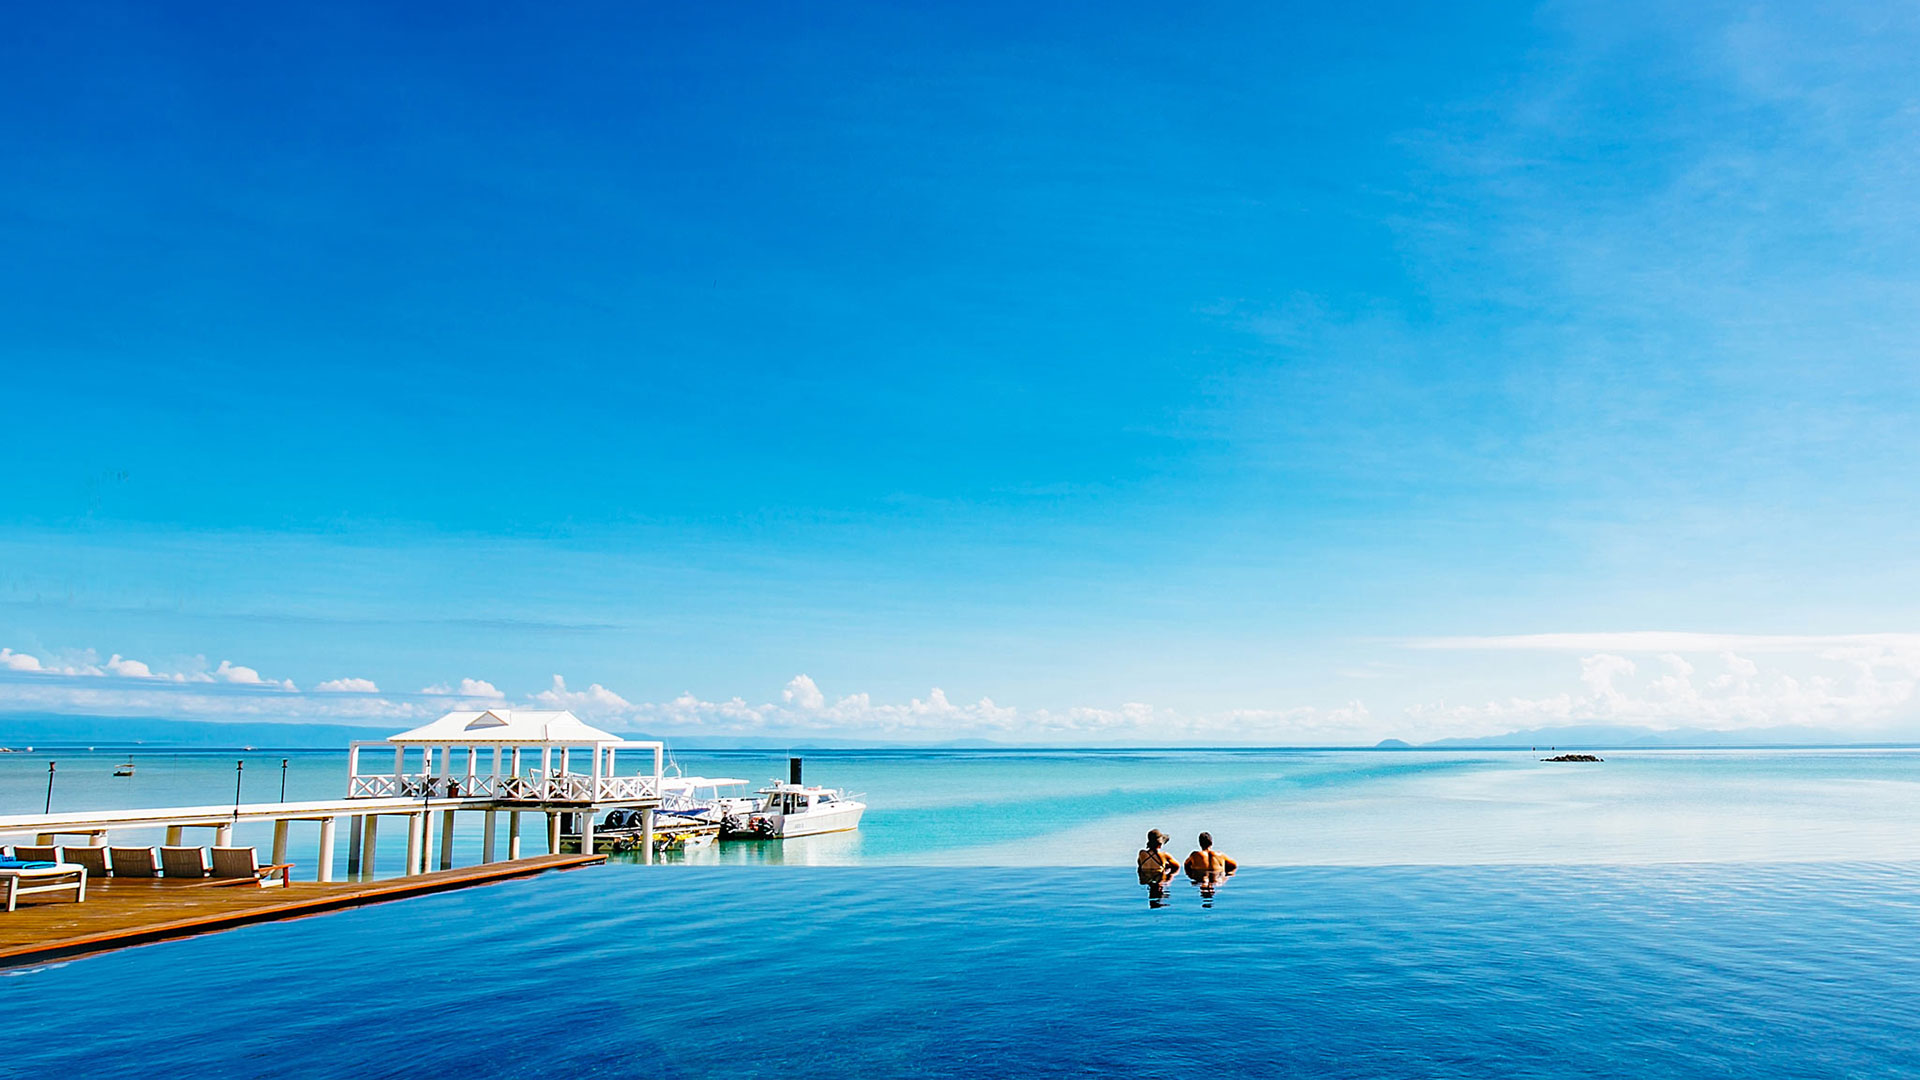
x: 93, y: 858
x: 185, y: 862
x: 36, y: 852
x: 239, y: 865
x: 135, y: 861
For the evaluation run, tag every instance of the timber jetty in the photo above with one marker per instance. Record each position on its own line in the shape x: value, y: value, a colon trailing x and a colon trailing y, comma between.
x: 489, y: 764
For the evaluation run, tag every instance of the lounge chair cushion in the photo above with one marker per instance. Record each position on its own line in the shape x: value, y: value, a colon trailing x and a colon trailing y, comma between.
x: 236, y: 862
x: 184, y: 862
x: 93, y: 858
x: 135, y: 862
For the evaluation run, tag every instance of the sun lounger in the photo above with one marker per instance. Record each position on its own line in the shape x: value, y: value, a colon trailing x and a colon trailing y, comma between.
x: 242, y: 864
x: 184, y: 862
x: 93, y: 858
x: 36, y: 852
x: 135, y: 862
x: 59, y: 877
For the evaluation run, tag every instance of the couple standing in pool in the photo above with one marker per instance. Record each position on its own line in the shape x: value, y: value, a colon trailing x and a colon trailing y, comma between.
x: 1206, y: 867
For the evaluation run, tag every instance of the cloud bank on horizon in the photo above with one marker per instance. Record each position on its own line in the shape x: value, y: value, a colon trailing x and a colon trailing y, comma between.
x: 1849, y: 686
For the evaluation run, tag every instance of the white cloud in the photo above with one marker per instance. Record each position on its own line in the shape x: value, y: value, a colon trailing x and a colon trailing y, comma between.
x: 1673, y: 641
x: 801, y: 691
x: 239, y: 675
x: 128, y: 669
x: 468, y: 688
x: 1851, y: 693
x: 13, y: 661
x: 348, y: 686
x: 595, y: 701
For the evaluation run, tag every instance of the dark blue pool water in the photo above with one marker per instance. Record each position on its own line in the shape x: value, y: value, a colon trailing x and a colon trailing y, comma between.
x: 1746, y: 971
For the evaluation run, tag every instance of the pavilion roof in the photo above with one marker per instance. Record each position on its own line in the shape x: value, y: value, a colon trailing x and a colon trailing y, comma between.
x: 492, y: 726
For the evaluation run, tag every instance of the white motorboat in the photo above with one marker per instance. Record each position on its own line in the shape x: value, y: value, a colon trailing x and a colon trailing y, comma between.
x: 791, y: 809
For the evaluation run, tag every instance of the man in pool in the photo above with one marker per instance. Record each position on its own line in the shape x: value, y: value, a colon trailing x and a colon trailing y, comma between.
x: 1207, y: 866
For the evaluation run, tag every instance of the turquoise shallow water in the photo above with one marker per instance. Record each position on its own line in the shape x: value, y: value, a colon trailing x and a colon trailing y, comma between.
x: 1014, y: 808
x: 1673, y: 971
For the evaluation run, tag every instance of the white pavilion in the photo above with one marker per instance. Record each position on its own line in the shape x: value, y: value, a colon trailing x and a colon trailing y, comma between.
x: 515, y: 760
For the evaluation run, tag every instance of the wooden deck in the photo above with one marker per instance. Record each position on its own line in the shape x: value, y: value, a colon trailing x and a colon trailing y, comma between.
x: 120, y: 912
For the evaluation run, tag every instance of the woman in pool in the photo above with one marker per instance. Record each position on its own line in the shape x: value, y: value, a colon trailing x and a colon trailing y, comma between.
x: 1156, y: 866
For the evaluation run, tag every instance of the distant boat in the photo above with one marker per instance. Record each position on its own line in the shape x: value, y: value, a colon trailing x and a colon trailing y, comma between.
x: 124, y: 769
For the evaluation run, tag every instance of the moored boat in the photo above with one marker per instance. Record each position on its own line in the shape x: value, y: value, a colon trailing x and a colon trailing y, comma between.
x: 791, y: 809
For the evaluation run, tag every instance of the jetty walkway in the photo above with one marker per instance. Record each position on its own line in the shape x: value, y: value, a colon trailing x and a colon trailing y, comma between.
x: 120, y: 912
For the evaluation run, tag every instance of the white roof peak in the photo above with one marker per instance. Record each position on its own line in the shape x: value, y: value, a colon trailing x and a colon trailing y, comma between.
x: 490, y: 726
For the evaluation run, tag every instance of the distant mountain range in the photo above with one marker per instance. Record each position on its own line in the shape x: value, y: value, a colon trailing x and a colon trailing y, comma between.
x: 55, y: 729
x: 1620, y: 736
x: 19, y: 730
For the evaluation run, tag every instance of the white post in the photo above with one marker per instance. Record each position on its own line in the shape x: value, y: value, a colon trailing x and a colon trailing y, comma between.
x: 586, y: 830
x: 223, y: 835
x: 414, y: 835
x: 513, y: 832
x: 326, y: 848
x: 546, y: 771
x: 446, y: 839
x: 370, y: 845
x: 280, y: 840
x: 594, y: 792
x: 496, y: 768
x: 646, y: 836
x: 399, y: 765
x: 553, y: 833
x: 486, y: 845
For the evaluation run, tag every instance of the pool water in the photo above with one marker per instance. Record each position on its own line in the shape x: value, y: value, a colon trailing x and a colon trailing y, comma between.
x: 900, y: 971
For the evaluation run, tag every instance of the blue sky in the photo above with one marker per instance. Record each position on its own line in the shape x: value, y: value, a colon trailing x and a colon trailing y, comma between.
x: 1248, y: 374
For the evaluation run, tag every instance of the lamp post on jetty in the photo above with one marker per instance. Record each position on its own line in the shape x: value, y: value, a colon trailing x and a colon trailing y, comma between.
x: 49, y: 808
x: 283, y: 779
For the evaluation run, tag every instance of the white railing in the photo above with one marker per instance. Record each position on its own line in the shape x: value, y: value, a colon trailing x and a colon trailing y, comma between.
x: 373, y: 787
x: 629, y: 787
x: 559, y: 787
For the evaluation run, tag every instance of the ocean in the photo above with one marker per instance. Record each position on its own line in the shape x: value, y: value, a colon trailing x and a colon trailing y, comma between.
x: 1664, y: 914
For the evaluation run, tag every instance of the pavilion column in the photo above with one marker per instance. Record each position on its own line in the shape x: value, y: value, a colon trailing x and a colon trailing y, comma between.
x: 446, y: 839
x: 646, y: 836
x: 355, y: 825
x: 280, y: 841
x: 415, y: 834
x: 223, y: 835
x: 486, y: 845
x: 327, y: 829
x: 586, y: 830
x: 553, y: 833
x: 369, y: 845
x: 513, y: 834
